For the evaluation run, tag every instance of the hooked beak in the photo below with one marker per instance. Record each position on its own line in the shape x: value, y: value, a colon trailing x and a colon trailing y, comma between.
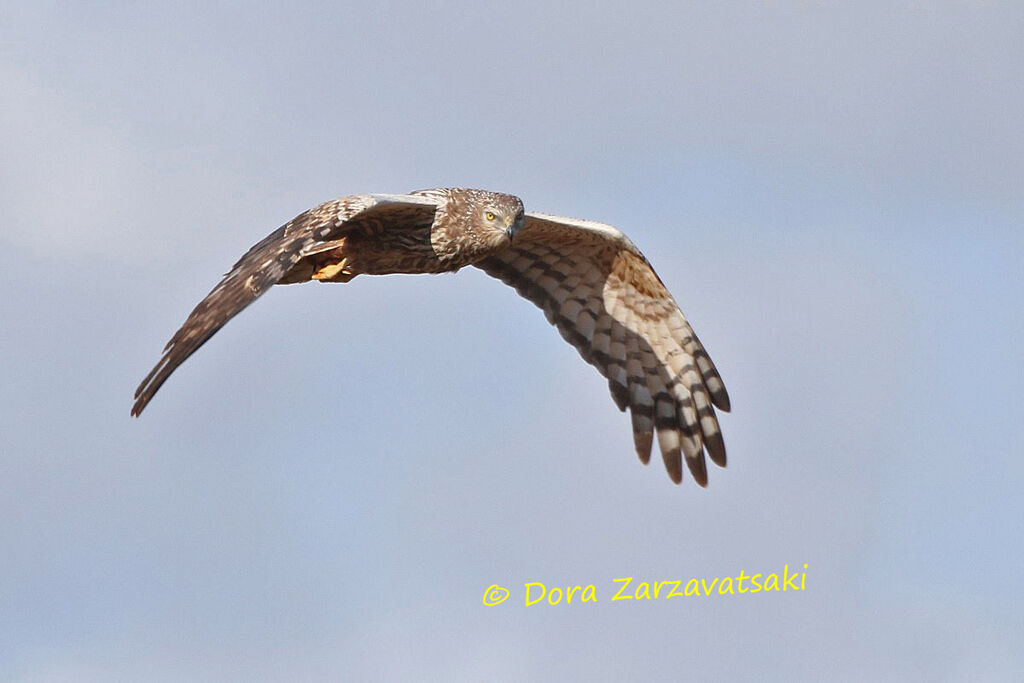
x: 514, y: 226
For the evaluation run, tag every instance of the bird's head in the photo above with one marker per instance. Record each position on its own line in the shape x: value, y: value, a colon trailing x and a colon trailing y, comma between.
x: 474, y: 224
x: 502, y: 213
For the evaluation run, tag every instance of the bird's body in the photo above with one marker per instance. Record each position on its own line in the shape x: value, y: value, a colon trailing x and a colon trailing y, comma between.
x: 399, y: 236
x: 593, y: 284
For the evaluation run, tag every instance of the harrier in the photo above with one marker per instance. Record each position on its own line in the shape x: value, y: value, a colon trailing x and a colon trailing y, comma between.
x: 590, y: 280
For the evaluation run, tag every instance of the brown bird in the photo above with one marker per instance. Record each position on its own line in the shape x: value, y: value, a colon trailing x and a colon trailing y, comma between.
x: 593, y: 284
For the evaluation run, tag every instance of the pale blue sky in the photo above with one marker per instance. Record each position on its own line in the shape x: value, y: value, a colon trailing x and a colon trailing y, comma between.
x: 835, y: 197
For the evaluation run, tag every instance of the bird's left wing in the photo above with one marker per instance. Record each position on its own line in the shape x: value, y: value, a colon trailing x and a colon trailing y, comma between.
x: 267, y: 262
x: 600, y: 292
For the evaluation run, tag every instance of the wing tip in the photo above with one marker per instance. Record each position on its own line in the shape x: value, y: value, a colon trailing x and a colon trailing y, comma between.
x: 643, y: 442
x: 720, y: 397
x: 715, y: 445
x: 142, y: 398
x: 698, y: 469
x: 671, y: 456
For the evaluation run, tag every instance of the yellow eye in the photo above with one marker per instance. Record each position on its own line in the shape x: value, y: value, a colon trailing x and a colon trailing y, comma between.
x: 489, y: 215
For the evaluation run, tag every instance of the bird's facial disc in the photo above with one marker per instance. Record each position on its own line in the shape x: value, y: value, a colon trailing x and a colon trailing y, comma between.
x: 497, y: 218
x: 507, y: 217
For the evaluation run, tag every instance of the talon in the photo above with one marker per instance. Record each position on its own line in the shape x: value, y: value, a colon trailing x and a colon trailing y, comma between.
x: 331, y: 270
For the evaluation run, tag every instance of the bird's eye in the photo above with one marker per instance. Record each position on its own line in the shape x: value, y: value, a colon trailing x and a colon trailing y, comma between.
x: 489, y: 215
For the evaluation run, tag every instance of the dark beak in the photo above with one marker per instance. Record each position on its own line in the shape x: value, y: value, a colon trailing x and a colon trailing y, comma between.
x: 515, y: 227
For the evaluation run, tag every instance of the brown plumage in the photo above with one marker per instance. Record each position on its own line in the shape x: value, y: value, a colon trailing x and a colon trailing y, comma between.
x: 592, y: 283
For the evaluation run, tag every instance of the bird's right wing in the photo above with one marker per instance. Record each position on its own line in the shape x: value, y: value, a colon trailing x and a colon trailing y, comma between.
x: 604, y: 297
x: 266, y: 263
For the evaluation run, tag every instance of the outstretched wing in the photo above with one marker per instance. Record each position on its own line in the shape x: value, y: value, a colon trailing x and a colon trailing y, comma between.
x: 600, y: 292
x: 268, y: 261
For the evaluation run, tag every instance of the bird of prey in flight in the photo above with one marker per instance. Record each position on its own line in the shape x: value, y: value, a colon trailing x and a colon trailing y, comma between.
x: 590, y: 280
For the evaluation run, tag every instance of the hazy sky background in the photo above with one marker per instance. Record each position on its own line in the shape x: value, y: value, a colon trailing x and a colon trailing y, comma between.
x: 834, y: 195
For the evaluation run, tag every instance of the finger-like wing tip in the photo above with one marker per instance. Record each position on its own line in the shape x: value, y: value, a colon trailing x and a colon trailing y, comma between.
x: 698, y: 468
x: 144, y: 392
x: 673, y: 461
x: 721, y: 400
x: 141, y: 401
x: 716, y: 448
x: 643, y: 441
